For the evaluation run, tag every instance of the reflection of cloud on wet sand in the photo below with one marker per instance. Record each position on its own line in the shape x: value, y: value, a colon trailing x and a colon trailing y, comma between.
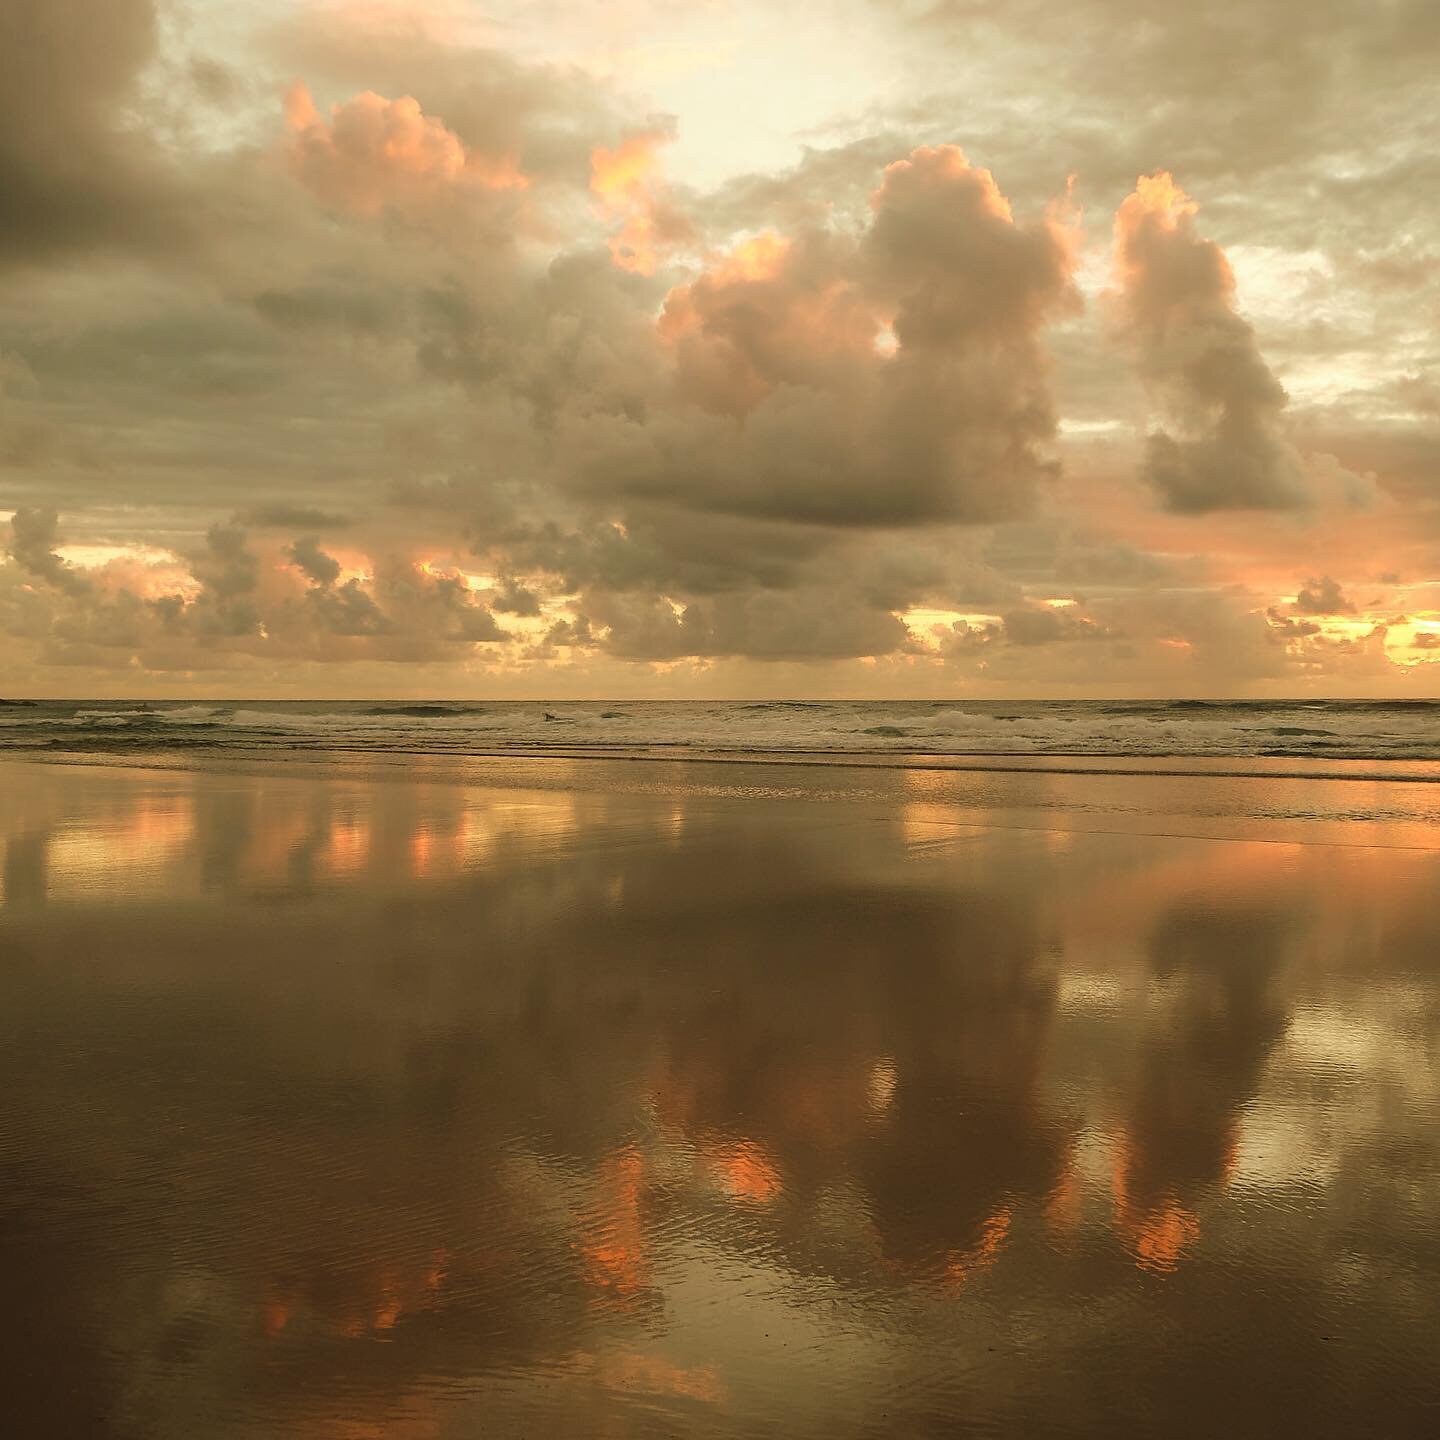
x: 1219, y: 1018
x: 565, y: 1123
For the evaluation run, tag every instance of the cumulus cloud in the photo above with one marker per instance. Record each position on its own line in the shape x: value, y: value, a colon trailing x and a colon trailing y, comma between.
x: 1176, y: 295
x: 228, y: 572
x: 574, y: 633
x: 764, y: 625
x: 1045, y: 624
x: 237, y: 604
x: 1322, y: 597
x: 33, y: 536
x: 947, y: 253
x: 313, y: 562
x: 630, y: 194
x: 885, y: 377
x: 227, y: 567
x: 1288, y: 626
x: 770, y: 313
x: 348, y: 609
x: 510, y: 597
x: 800, y: 394
x: 434, y: 610
x: 374, y: 153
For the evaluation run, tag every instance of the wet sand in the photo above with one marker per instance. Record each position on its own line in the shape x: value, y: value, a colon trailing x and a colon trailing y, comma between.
x: 572, y: 1098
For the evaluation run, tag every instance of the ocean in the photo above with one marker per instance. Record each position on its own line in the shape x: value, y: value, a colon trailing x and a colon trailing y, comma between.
x: 947, y: 733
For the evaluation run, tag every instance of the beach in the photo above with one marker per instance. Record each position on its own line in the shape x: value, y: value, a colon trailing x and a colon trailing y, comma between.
x: 439, y: 1096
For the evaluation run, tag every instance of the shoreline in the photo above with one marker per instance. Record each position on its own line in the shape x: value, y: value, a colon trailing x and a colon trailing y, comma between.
x: 1209, y: 767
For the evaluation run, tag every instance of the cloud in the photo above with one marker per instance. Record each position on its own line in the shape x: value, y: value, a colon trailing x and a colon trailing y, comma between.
x: 348, y: 609
x: 239, y: 604
x: 510, y: 597
x: 229, y: 575
x: 1176, y: 302
x: 788, y: 429
x: 802, y: 394
x: 788, y: 405
x: 1289, y: 627
x: 765, y: 625
x: 771, y: 312
x: 1322, y: 597
x: 313, y: 562
x: 433, y: 611
x: 627, y: 187
x: 1044, y: 624
x: 33, y: 536
x: 281, y: 516
x: 227, y: 568
x: 946, y: 251
x: 373, y: 154
x: 74, y: 175
x: 574, y: 633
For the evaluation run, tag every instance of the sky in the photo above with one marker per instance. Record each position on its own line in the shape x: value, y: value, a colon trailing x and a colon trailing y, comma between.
x: 927, y: 349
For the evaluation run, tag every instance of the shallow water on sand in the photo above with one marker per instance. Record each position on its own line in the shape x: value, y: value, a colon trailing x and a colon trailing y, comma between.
x: 591, y: 1099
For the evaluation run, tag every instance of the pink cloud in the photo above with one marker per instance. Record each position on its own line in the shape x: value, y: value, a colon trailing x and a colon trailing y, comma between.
x: 373, y: 154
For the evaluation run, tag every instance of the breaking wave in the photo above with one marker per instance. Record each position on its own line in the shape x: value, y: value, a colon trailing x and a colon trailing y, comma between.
x: 902, y: 732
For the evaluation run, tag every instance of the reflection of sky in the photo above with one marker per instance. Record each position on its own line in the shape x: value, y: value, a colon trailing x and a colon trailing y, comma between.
x: 397, y: 1105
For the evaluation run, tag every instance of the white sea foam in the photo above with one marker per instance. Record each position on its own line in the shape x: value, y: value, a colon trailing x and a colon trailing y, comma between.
x: 900, y: 730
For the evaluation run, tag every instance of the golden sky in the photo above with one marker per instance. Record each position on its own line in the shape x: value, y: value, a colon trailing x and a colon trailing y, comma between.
x: 357, y: 347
